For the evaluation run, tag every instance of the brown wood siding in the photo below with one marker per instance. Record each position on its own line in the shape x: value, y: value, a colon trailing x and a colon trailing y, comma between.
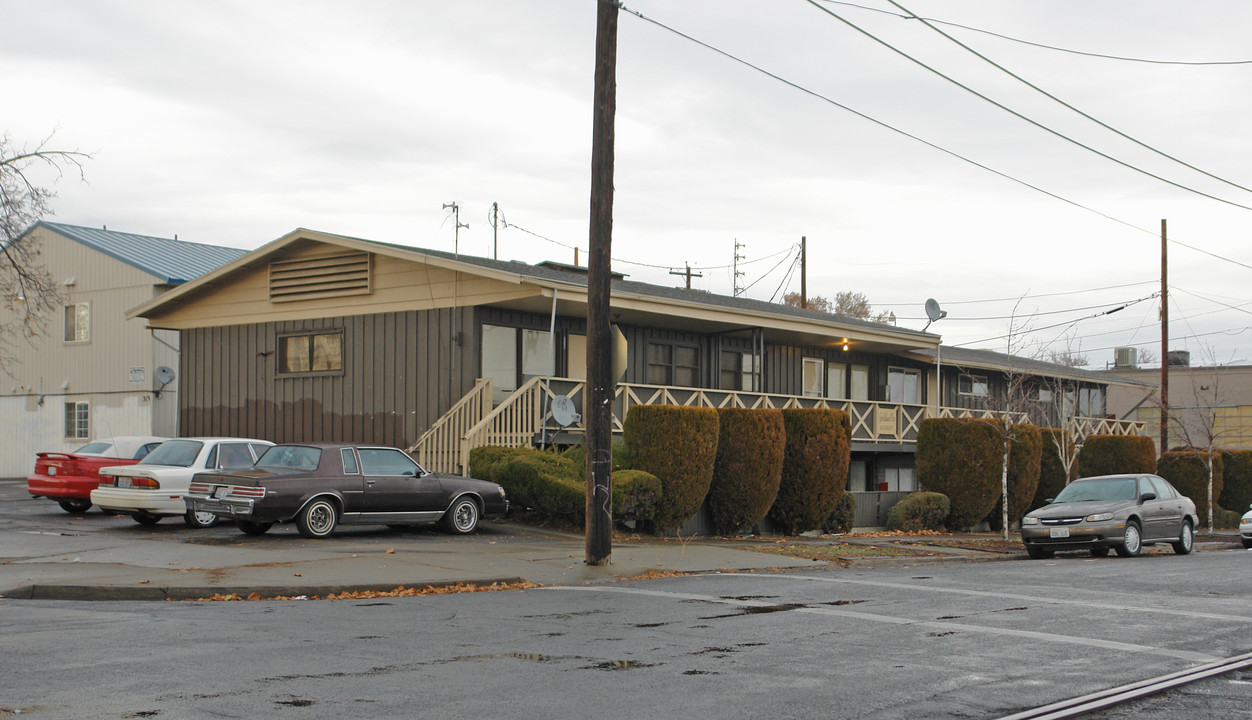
x: 391, y: 390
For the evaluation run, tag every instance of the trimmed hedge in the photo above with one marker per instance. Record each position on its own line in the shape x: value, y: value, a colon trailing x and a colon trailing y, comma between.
x: 844, y: 515
x: 1116, y: 454
x: 815, y: 468
x: 748, y: 468
x: 678, y: 445
x: 621, y: 456
x: 1052, y: 477
x: 1236, y: 480
x: 1188, y: 472
x: 1024, y: 460
x: 919, y: 511
x: 554, y: 484
x: 960, y: 458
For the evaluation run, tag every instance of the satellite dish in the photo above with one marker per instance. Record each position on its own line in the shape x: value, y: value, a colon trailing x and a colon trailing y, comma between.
x: 934, y: 312
x: 563, y: 411
x: 164, y: 375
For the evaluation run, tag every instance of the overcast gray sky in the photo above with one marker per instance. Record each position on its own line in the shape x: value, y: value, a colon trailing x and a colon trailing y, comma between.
x: 235, y: 122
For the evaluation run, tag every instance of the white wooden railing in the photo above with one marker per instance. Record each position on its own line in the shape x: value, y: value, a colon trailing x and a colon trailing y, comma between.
x: 526, y: 415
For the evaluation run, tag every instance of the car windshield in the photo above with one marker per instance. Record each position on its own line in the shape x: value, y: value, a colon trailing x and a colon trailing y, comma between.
x: 299, y: 457
x: 179, y: 453
x: 93, y: 448
x: 1111, y: 489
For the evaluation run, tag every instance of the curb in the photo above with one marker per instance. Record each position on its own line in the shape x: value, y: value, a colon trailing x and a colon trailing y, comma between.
x: 150, y: 593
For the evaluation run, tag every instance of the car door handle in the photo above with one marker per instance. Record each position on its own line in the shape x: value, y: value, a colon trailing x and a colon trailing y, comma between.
x: 370, y: 482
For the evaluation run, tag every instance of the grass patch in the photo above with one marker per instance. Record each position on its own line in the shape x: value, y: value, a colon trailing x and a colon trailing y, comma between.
x: 841, y: 551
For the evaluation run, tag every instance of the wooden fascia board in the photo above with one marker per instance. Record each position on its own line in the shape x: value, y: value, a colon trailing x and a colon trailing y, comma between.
x: 992, y: 367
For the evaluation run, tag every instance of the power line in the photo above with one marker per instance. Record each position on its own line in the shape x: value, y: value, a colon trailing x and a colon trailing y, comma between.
x: 1034, y: 314
x: 1067, y: 322
x: 1041, y: 45
x: 1036, y: 295
x: 1016, y: 114
x: 1054, y: 98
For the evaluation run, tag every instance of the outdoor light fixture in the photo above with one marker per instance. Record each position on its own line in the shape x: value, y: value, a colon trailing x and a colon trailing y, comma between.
x: 845, y: 344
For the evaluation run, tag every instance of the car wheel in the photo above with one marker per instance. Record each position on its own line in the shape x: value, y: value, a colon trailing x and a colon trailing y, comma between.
x: 1132, y: 543
x: 251, y: 527
x: 200, y: 519
x: 1099, y: 551
x: 144, y: 517
x: 1247, y: 543
x: 1038, y: 553
x: 1185, y: 540
x: 462, y: 517
x: 318, y: 519
x: 74, y: 506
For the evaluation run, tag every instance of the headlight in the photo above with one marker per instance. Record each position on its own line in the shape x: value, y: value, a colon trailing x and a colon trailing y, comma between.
x: 1030, y: 520
x: 1246, y: 519
x: 1099, y: 517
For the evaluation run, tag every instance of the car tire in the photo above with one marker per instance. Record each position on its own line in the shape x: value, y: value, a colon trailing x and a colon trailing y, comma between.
x: 1247, y: 543
x: 1133, y: 542
x: 252, y: 527
x: 318, y: 518
x: 143, y: 517
x: 200, y: 519
x: 74, y: 506
x: 1186, y: 539
x: 462, y: 517
x: 1100, y: 551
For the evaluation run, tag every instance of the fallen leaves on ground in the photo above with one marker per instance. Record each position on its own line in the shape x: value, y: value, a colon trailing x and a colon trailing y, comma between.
x: 400, y: 591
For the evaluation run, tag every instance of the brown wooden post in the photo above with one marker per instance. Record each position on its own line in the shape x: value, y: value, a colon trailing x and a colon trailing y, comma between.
x: 600, y: 383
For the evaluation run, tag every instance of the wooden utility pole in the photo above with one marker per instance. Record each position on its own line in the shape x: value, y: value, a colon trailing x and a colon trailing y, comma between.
x: 804, y: 271
x: 1164, y: 346
x: 600, y: 381
x: 688, y: 273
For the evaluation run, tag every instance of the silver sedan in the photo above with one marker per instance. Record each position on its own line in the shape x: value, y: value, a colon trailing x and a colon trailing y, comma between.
x: 1118, y: 512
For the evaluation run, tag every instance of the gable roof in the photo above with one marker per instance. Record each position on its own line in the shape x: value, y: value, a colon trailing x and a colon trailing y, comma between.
x: 172, y: 262
x: 677, y: 302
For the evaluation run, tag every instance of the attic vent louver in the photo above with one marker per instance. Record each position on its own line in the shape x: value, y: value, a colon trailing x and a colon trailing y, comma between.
x: 324, y: 276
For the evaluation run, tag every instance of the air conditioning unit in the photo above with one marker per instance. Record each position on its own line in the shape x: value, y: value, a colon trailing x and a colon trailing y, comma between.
x: 1125, y: 357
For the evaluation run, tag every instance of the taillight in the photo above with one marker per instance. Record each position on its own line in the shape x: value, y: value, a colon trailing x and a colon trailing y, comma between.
x: 144, y: 483
x: 198, y: 488
x: 255, y: 492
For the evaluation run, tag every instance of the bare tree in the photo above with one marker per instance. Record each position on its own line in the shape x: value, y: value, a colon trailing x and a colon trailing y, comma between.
x: 29, y: 292
x: 1198, y: 425
x: 846, y: 303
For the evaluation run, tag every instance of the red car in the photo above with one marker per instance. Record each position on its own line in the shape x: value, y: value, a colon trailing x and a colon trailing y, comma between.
x: 70, y: 477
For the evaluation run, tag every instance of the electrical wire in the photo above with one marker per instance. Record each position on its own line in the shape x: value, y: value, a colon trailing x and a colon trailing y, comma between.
x: 1034, y: 314
x: 1035, y: 295
x: 1067, y: 322
x: 1041, y: 45
x: 1054, y: 98
x: 1041, y: 126
x: 786, y: 281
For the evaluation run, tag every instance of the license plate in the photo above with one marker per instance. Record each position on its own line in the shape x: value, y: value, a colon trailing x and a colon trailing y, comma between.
x: 1060, y: 532
x: 52, y: 470
x: 218, y: 492
x: 123, y: 482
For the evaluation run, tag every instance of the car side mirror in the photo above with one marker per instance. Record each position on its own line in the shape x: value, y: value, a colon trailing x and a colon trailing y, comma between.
x: 1048, y: 501
x: 1147, y: 496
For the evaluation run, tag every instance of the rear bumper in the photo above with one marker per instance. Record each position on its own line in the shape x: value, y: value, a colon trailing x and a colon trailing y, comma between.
x: 154, y: 502
x: 61, y: 486
x: 238, y: 508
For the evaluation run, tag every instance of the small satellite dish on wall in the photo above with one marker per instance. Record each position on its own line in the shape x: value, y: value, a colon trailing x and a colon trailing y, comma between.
x: 563, y: 411
x: 934, y: 312
x: 165, y: 376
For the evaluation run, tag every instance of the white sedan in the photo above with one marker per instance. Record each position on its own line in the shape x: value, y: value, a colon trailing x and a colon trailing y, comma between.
x: 154, y: 487
x: 1245, y: 530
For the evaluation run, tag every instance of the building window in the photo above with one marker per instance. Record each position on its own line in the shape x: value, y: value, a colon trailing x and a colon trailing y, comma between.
x: 312, y: 353
x: 1090, y: 402
x: 738, y: 371
x: 76, y: 416
x: 669, y: 364
x: 813, y: 370
x: 837, y: 381
x: 859, y: 385
x: 1045, y: 395
x: 904, y: 385
x: 975, y: 385
x: 78, y: 323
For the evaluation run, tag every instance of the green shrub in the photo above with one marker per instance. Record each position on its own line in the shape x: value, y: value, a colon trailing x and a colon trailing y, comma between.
x: 1226, y: 519
x: 1116, y: 454
x: 678, y: 445
x: 1052, y: 475
x: 844, y: 515
x: 1188, y: 472
x: 961, y: 458
x: 1025, y: 462
x: 578, y: 455
x: 484, y: 460
x: 635, y: 494
x: 748, y: 469
x: 919, y: 511
x: 815, y: 468
x: 1236, y: 480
